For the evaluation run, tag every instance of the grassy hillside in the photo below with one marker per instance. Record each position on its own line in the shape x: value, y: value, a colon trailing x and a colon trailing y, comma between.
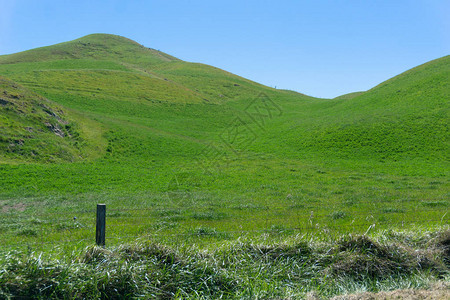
x: 349, y: 95
x: 163, y: 116
x: 105, y: 47
x: 188, y: 154
x: 36, y: 129
x: 405, y: 117
x: 171, y: 79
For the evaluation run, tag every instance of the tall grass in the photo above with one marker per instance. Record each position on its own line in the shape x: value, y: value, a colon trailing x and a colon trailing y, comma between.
x: 246, y: 268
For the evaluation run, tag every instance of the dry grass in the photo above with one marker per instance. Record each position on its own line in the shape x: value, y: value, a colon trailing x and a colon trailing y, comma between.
x: 439, y: 291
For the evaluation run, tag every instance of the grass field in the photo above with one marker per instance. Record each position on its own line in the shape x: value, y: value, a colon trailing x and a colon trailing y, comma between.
x: 200, y: 161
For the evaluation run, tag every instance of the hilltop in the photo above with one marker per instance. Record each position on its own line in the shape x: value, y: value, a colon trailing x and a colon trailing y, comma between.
x: 93, y: 46
x: 109, y: 61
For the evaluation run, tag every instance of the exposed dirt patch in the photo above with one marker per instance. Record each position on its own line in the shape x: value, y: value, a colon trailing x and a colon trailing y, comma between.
x: 56, y: 129
x: 15, y: 207
x: 438, y: 291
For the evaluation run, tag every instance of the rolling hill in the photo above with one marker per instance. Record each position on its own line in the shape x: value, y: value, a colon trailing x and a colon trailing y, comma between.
x: 215, y: 174
x: 139, y: 112
x: 108, y: 76
x: 109, y: 61
x: 405, y: 117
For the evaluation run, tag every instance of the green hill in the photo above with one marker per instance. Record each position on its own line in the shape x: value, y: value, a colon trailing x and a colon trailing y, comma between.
x: 137, y: 120
x: 123, y: 84
x: 193, y: 158
x: 109, y: 61
x: 105, y: 47
x: 405, y: 117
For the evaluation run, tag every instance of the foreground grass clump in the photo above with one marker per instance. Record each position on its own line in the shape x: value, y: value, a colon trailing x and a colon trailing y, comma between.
x: 147, y: 270
x: 240, y: 269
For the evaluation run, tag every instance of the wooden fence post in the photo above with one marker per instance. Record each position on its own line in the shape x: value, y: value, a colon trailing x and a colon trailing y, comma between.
x: 101, y: 225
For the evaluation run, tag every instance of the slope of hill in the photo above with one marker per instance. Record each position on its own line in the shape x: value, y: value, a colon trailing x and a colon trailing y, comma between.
x: 107, y: 76
x: 105, y: 47
x: 405, y: 117
x: 123, y: 84
x: 35, y: 129
x: 349, y: 95
x: 113, y: 58
x: 154, y: 105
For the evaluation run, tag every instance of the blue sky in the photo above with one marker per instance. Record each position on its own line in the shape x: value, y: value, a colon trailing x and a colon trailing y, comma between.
x: 320, y: 48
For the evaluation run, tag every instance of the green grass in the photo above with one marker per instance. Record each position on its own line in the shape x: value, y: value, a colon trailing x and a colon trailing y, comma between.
x: 248, y: 268
x: 36, y: 129
x: 155, y: 139
x: 349, y: 95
